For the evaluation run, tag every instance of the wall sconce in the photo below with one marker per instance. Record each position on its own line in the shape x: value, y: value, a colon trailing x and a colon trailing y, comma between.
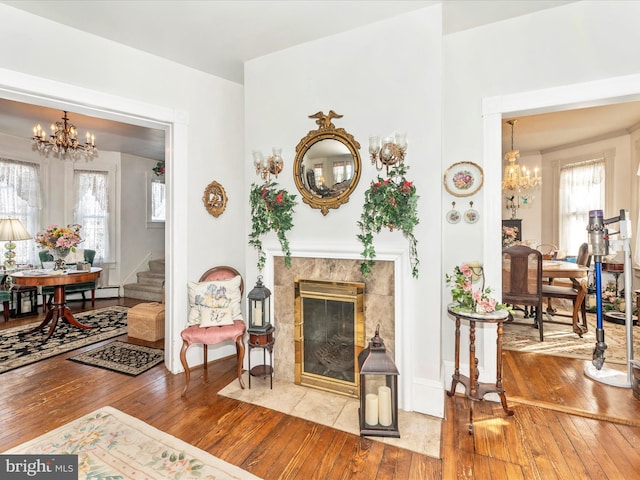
x: 259, y: 307
x: 12, y: 229
x: 266, y: 166
x: 378, y: 390
x: 389, y: 151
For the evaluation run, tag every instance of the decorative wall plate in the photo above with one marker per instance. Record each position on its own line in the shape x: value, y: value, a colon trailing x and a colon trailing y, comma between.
x: 214, y: 199
x: 463, y: 179
x: 471, y: 215
x: 453, y: 215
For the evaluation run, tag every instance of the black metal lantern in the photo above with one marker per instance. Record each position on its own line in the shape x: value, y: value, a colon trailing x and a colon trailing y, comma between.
x: 259, y: 307
x: 378, y: 390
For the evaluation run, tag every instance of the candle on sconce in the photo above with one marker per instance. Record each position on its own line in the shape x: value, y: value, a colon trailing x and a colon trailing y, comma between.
x: 384, y: 406
x: 371, y: 417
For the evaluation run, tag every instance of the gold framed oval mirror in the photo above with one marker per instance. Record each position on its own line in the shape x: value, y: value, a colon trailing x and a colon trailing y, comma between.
x: 327, y: 165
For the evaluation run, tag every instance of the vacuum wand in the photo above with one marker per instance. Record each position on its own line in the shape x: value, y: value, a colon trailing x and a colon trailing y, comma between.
x: 598, y: 246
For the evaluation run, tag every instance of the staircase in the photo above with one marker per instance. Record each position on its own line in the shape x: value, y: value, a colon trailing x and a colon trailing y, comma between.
x: 149, y: 285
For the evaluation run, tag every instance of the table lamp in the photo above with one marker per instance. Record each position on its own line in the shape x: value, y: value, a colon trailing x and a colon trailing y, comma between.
x: 12, y: 229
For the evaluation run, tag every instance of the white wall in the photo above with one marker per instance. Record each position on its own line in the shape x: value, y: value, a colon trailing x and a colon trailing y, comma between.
x: 205, y: 143
x: 515, y: 63
x: 382, y: 78
x: 135, y: 254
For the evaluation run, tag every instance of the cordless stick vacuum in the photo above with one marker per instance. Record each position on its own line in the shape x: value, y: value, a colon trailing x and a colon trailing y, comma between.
x: 599, y: 247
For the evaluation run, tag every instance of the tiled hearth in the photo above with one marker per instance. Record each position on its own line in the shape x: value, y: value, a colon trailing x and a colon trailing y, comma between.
x: 379, y: 301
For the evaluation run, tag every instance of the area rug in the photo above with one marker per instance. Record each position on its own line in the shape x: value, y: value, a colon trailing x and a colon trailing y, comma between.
x: 18, y: 351
x: 561, y: 341
x: 418, y: 433
x: 113, y: 445
x: 122, y: 357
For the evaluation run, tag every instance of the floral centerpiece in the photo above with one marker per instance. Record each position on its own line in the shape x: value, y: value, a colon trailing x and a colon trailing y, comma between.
x: 390, y: 203
x: 59, y: 241
x: 465, y: 297
x: 271, y: 209
x: 509, y: 236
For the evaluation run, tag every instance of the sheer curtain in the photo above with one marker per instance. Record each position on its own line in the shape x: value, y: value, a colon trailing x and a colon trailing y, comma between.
x: 582, y: 188
x: 20, y: 198
x: 92, y: 211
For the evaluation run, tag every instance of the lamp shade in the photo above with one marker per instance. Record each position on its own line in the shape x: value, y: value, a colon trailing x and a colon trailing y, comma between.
x: 12, y: 229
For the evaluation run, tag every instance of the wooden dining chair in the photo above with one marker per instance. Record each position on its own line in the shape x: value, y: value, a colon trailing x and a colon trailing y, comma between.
x: 522, y: 280
x: 548, y: 250
x: 577, y: 293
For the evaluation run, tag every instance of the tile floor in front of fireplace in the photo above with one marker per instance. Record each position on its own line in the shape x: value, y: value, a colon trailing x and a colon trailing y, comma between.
x: 419, y: 433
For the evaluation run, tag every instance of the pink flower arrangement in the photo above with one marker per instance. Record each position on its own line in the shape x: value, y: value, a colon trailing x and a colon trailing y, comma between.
x: 61, y: 238
x: 468, y: 299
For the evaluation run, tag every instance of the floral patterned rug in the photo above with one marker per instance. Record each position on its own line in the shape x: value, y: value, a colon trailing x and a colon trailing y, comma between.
x: 560, y: 340
x: 121, y: 357
x: 111, y: 444
x: 17, y: 350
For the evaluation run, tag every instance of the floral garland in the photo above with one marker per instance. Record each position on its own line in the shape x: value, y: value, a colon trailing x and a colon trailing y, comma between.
x: 390, y: 203
x: 159, y: 168
x: 271, y: 209
x: 467, y: 299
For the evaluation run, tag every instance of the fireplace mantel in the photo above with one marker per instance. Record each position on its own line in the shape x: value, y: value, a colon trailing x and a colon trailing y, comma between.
x: 396, y: 265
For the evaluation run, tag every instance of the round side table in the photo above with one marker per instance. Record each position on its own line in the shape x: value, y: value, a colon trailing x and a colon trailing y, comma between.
x: 474, y: 390
x: 265, y: 341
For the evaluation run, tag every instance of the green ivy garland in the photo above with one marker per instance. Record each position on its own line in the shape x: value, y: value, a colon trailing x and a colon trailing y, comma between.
x: 271, y: 209
x: 390, y: 203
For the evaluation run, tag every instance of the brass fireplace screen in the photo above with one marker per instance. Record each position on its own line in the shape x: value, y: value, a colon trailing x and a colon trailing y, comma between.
x: 329, y: 335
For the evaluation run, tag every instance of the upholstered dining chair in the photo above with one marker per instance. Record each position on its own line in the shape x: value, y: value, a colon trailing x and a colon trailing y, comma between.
x: 522, y: 280
x: 47, y: 292
x: 5, y: 297
x: 213, y: 335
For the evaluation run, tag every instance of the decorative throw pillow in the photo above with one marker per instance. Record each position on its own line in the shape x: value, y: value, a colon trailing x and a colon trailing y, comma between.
x: 215, y: 317
x: 214, y: 294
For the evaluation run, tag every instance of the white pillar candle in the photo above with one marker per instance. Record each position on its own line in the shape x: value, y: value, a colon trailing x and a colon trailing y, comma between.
x: 371, y: 414
x: 384, y: 400
x: 257, y: 314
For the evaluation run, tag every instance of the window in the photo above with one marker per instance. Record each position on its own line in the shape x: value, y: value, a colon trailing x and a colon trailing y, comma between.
x: 156, y: 201
x: 92, y: 211
x: 582, y: 188
x: 20, y: 198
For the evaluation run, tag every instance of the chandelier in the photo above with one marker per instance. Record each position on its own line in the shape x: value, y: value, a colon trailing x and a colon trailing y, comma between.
x: 517, y: 178
x: 63, y: 141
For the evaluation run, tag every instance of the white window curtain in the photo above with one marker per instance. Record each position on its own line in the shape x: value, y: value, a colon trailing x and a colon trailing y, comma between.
x: 158, y: 200
x: 338, y: 172
x: 582, y: 188
x: 20, y: 198
x: 92, y: 211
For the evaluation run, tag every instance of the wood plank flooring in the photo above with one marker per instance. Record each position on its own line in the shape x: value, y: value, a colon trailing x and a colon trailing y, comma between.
x: 594, y: 435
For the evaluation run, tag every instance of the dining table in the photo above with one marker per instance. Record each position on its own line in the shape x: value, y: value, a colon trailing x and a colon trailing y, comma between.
x: 57, y: 279
x: 560, y: 269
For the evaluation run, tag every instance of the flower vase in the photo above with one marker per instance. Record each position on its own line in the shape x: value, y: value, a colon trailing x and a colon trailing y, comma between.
x: 59, y: 256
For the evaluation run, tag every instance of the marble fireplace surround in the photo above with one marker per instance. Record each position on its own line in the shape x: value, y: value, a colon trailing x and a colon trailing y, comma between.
x: 383, y: 302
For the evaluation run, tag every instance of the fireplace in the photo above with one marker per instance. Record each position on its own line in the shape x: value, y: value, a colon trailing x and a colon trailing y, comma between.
x: 329, y: 334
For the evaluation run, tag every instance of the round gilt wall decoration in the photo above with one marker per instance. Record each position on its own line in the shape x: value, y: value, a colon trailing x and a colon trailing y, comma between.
x: 214, y: 199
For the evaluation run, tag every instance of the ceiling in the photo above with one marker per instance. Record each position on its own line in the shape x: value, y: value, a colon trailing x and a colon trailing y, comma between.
x: 249, y: 29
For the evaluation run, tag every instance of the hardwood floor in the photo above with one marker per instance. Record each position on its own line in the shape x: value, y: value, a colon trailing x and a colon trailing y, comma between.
x: 537, y: 442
